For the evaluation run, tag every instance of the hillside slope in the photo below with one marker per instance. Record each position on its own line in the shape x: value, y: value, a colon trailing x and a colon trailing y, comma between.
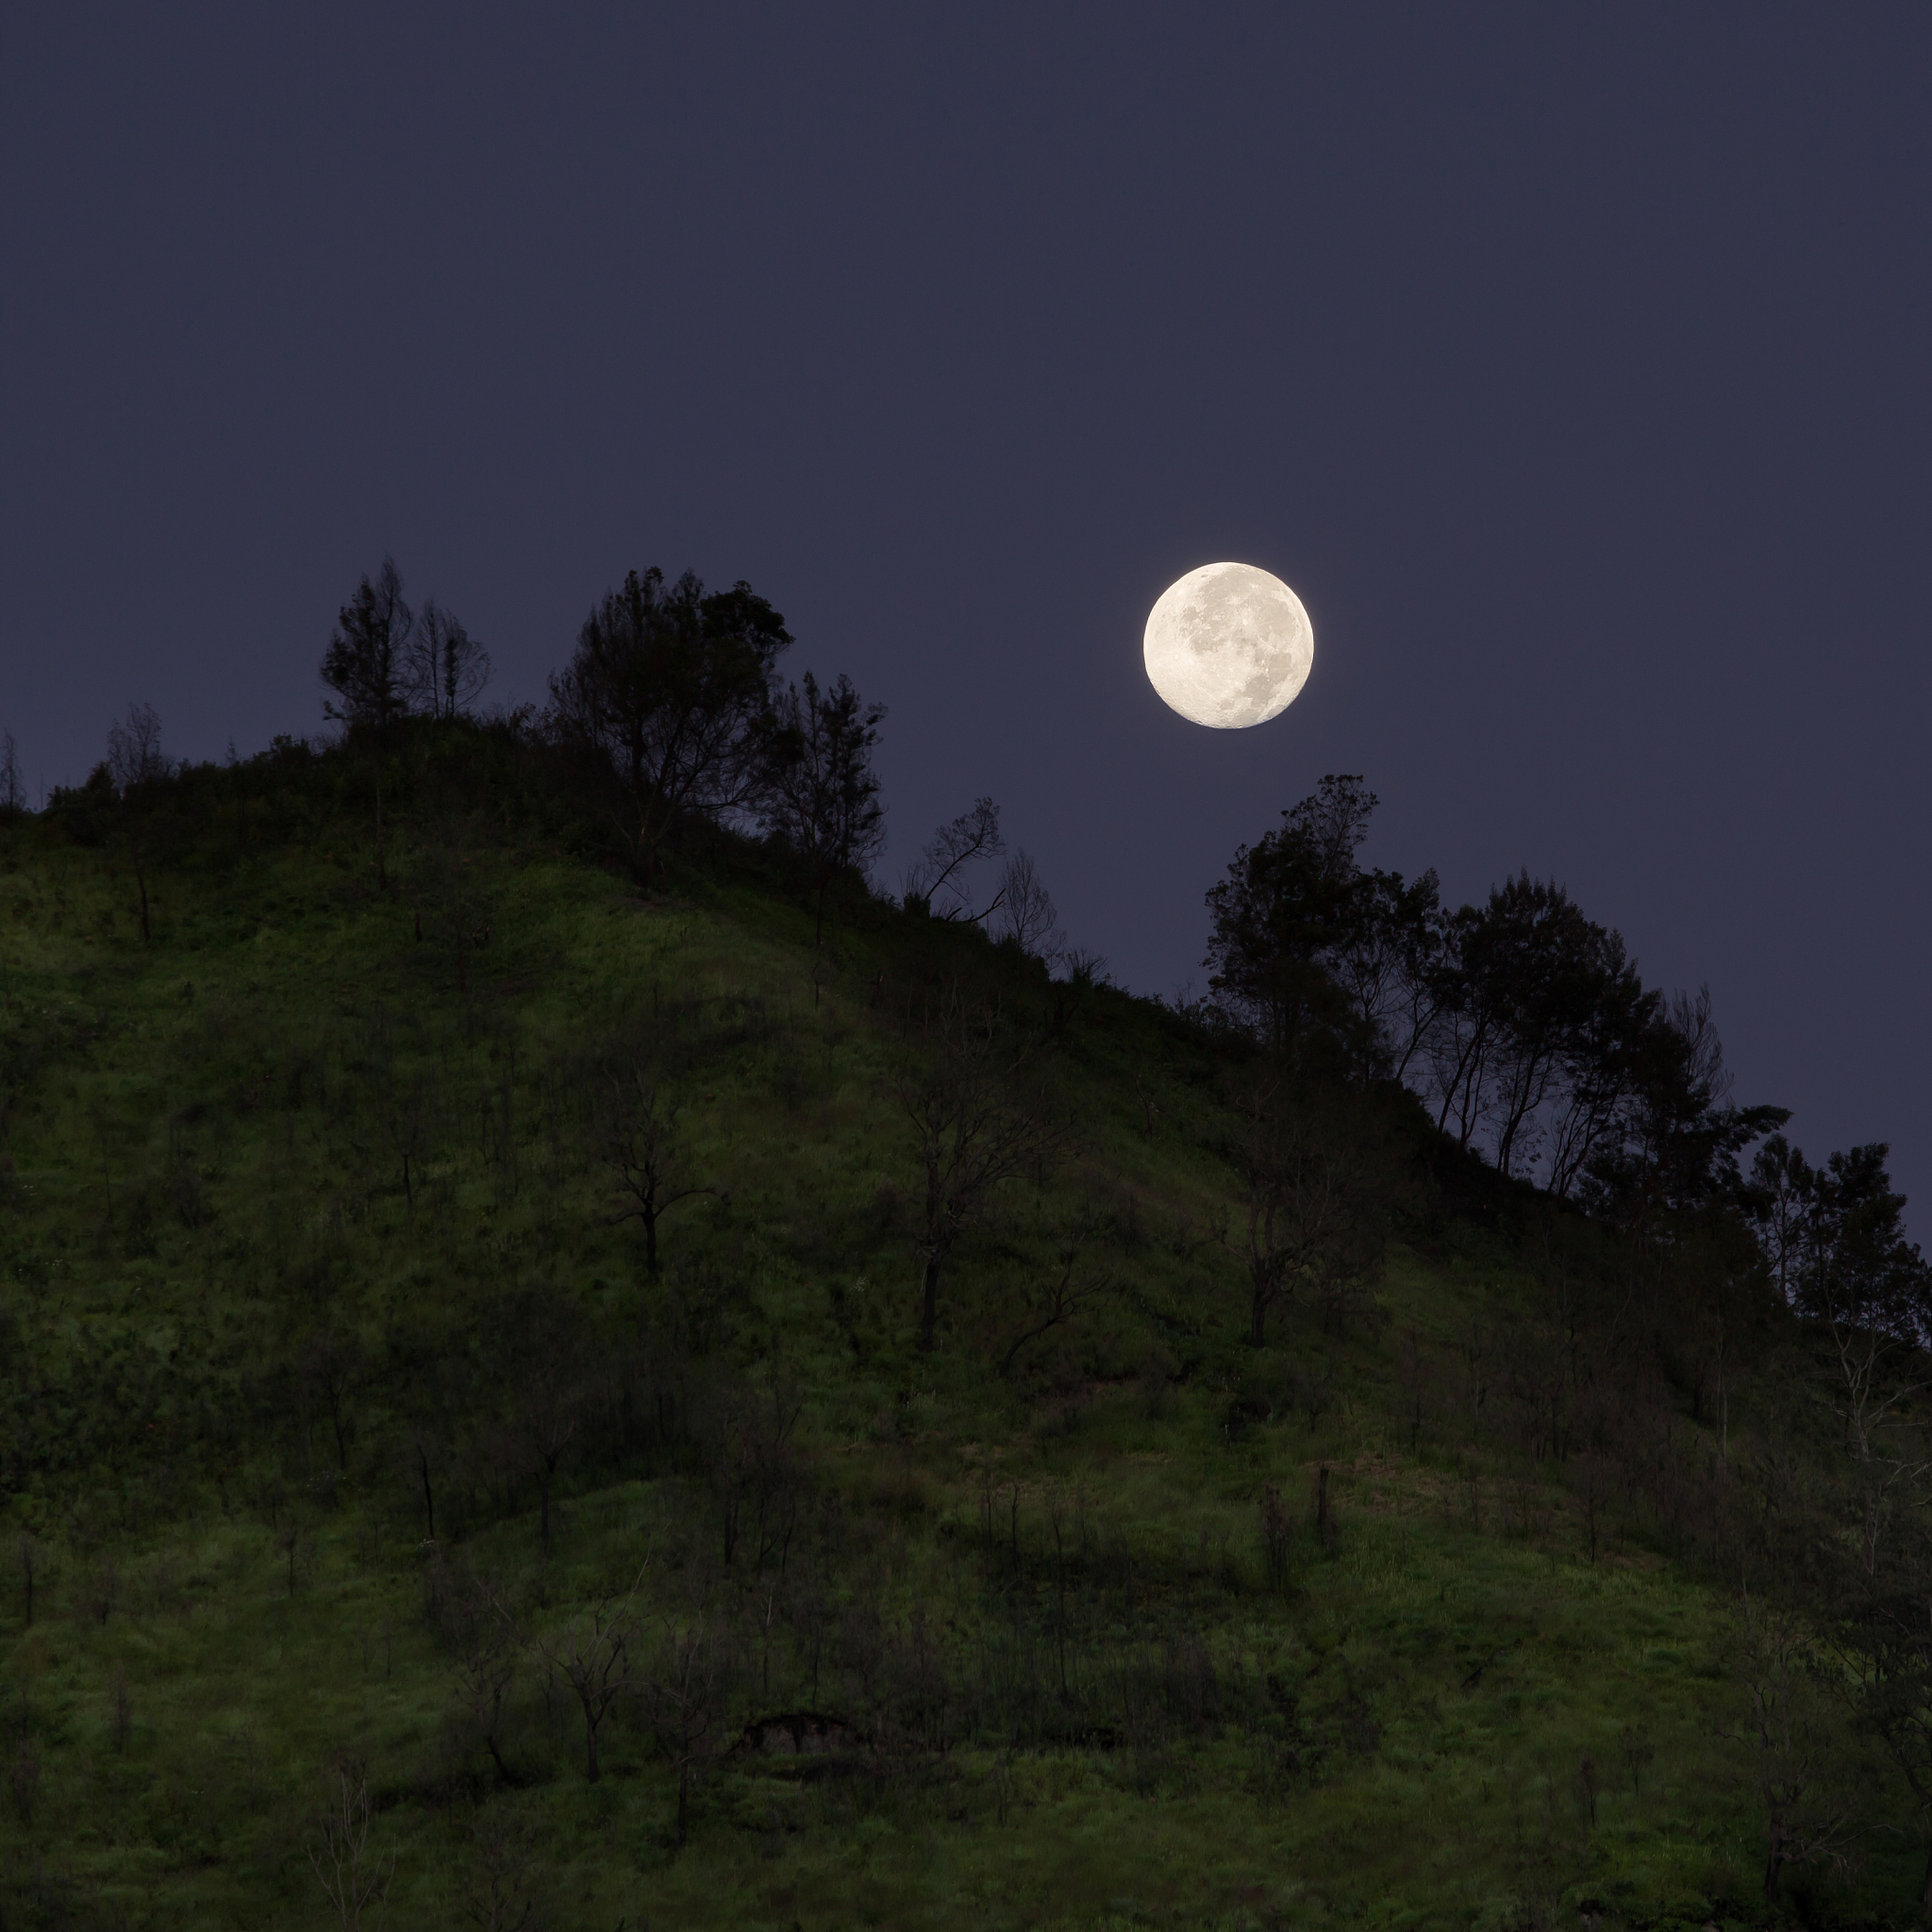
x: 350, y: 1444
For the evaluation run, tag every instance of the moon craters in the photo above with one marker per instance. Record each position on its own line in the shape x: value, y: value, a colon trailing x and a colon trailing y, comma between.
x: 1228, y: 645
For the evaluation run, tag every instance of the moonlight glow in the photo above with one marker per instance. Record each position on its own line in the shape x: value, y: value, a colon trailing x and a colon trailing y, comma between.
x: 1228, y: 645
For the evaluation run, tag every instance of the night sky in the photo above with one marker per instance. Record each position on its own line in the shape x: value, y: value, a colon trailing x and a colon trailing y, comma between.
x: 1573, y: 364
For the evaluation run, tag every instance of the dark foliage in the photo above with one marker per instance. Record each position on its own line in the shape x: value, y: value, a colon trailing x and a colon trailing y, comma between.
x: 824, y: 798
x: 668, y: 701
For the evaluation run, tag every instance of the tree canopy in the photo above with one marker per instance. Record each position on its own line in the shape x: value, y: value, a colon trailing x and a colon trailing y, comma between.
x: 669, y: 694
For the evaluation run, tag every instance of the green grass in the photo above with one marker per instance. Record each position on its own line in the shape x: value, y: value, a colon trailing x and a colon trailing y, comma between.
x: 205, y: 1139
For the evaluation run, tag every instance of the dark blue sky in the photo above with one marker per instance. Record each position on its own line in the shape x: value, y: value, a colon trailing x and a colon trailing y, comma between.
x: 1572, y: 363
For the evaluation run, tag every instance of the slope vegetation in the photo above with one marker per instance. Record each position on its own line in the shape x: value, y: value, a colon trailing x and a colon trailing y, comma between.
x: 383, y: 1527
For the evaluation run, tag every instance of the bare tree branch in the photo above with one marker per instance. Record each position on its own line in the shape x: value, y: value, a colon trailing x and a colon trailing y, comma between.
x: 591, y: 1654
x: 356, y: 1879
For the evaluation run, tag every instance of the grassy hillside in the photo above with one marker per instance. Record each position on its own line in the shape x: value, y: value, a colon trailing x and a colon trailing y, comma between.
x: 311, y: 1249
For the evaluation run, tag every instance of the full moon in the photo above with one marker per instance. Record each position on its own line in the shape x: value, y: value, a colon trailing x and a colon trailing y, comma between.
x: 1228, y: 645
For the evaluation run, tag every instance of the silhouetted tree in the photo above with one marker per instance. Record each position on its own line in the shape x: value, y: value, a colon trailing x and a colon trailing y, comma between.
x: 136, y: 766
x: 936, y: 880
x: 1672, y: 1147
x: 1522, y: 1022
x: 1601, y: 1055
x: 1387, y: 959
x: 1871, y: 1290
x: 1285, y: 902
x: 13, y: 782
x: 641, y: 1146
x: 367, y: 662
x: 1530, y: 973
x: 824, y: 794
x: 1777, y: 1199
x: 669, y: 690
x: 134, y: 749
x: 444, y: 668
x: 1027, y: 919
